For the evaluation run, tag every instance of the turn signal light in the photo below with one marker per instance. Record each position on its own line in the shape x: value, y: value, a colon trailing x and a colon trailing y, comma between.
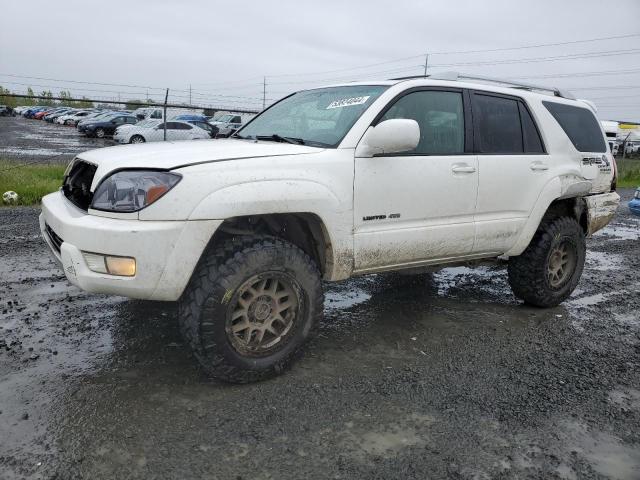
x: 111, y: 265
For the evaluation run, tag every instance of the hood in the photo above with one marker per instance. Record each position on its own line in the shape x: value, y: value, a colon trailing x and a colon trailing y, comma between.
x: 171, y: 155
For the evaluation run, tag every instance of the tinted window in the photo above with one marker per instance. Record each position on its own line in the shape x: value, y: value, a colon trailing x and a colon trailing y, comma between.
x: 174, y: 126
x: 580, y: 125
x: 497, y: 122
x: 530, y: 135
x: 156, y: 114
x: 441, y: 119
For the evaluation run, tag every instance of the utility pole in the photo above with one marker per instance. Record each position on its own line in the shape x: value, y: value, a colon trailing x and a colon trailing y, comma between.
x: 426, y: 64
x: 164, y: 115
x: 264, y: 92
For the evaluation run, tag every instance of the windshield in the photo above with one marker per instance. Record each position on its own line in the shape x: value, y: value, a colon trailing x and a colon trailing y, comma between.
x: 148, y: 123
x: 223, y: 118
x: 322, y: 116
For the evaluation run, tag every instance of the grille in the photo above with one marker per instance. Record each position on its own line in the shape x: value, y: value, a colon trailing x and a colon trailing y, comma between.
x: 55, y: 240
x: 76, y: 185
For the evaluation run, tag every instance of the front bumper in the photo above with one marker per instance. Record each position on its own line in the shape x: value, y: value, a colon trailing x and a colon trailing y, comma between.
x: 166, y: 252
x: 120, y: 138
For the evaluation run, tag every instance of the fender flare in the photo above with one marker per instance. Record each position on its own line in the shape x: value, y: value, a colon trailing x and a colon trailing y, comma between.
x: 282, y: 196
x: 275, y: 196
x: 551, y: 192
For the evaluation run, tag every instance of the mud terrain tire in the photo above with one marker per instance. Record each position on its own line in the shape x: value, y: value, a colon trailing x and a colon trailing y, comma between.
x: 236, y: 279
x: 558, y: 246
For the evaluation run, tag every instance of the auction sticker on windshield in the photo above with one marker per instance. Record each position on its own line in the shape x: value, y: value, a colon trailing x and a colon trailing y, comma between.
x: 348, y: 102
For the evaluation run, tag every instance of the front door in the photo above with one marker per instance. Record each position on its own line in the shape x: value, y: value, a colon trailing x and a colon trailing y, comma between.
x: 418, y: 207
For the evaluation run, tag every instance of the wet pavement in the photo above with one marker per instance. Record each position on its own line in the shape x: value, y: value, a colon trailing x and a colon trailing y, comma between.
x: 434, y: 376
x: 37, y: 141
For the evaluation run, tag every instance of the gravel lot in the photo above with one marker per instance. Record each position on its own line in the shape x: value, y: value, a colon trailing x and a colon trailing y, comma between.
x: 443, y: 376
x: 37, y: 141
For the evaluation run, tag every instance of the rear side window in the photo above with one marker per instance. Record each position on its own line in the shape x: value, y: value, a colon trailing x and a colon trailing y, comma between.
x: 530, y: 135
x: 580, y: 125
x: 498, y: 124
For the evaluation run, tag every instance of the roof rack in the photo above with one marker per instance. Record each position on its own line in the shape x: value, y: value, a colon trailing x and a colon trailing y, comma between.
x: 454, y: 76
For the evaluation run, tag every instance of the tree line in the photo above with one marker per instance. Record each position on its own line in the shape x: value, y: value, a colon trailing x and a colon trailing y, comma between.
x: 65, y: 95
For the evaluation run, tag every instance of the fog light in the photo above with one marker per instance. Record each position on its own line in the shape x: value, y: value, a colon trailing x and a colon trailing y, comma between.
x: 121, y: 266
x: 124, y: 266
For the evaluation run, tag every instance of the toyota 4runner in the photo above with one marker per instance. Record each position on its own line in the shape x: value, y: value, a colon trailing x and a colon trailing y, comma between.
x: 327, y: 184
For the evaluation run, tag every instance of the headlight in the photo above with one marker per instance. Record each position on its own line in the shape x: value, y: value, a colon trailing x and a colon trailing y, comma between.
x: 132, y: 190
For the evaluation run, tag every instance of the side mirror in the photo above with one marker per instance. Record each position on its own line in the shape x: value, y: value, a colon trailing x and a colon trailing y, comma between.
x: 391, y: 136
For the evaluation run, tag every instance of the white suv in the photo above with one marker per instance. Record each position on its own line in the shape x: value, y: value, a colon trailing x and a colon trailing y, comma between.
x: 329, y: 183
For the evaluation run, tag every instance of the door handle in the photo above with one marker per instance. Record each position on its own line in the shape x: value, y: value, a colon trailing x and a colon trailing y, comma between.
x: 538, y: 166
x: 462, y: 168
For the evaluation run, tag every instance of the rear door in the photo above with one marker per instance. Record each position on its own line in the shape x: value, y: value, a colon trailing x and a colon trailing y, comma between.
x: 513, y: 169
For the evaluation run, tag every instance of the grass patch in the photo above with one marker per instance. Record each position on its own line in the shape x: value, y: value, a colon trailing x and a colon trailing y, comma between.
x: 629, y: 172
x: 30, y: 182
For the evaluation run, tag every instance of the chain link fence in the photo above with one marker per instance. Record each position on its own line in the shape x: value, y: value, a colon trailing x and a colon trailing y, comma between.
x: 123, y: 122
x: 40, y: 135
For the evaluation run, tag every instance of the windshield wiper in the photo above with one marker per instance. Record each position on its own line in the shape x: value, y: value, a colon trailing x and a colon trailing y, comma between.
x: 277, y: 138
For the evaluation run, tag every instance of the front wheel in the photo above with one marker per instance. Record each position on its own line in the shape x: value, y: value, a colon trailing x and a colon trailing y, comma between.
x: 250, y: 306
x: 137, y: 139
x: 100, y: 132
x: 549, y: 270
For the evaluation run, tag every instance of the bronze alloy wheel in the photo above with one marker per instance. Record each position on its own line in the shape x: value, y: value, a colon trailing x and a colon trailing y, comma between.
x: 262, y: 313
x: 561, y: 264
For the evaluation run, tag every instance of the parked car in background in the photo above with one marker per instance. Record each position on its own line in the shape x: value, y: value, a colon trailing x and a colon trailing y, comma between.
x: 157, y: 113
x: 32, y: 111
x: 107, y: 126
x: 51, y: 117
x: 632, y: 147
x: 5, y: 111
x: 94, y: 118
x: 19, y: 110
x: 634, y: 204
x: 229, y: 123
x: 190, y: 117
x: 72, y: 118
x: 41, y: 113
x: 155, y: 132
x: 212, y: 130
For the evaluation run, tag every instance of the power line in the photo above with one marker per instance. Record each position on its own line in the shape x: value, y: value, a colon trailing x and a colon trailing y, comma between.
x: 616, y: 37
x: 576, y: 56
x: 578, y: 74
x: 455, y: 52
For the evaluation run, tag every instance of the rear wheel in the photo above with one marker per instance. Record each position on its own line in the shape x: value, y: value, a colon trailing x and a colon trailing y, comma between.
x: 250, y: 306
x: 137, y: 139
x: 549, y: 270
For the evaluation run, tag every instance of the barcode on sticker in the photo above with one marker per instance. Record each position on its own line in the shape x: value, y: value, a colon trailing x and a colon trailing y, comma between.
x: 348, y: 102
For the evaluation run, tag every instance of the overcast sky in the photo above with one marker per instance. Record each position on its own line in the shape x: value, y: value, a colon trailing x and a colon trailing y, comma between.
x: 224, y: 49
